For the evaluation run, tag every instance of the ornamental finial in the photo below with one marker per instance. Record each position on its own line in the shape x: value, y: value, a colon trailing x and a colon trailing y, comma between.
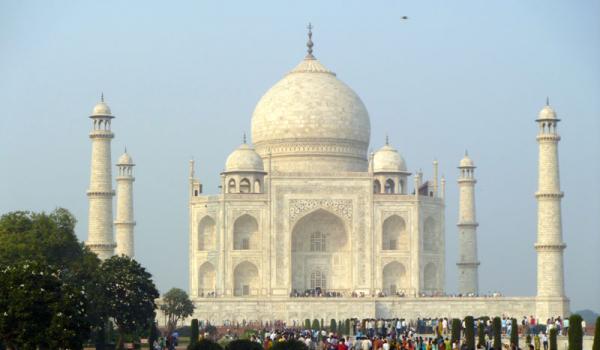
x: 244, y: 138
x: 102, y: 97
x: 547, y: 101
x: 387, y: 140
x: 309, y: 43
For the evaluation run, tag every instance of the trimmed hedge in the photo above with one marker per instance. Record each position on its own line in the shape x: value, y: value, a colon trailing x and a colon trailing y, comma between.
x: 497, y: 333
x: 289, y: 345
x: 575, y: 333
x: 243, y: 344
x: 596, y: 345
x: 194, y: 332
x: 456, y: 326
x: 514, y: 334
x: 205, y: 344
x: 481, y: 333
x: 552, y: 339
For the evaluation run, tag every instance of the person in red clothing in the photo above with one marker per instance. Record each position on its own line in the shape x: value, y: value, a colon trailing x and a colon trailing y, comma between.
x: 342, y: 345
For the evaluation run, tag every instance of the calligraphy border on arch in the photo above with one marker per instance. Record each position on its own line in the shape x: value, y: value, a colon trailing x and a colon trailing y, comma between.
x: 341, y: 207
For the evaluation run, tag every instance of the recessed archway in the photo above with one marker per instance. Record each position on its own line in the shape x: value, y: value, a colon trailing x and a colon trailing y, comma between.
x: 206, y: 279
x: 394, y: 235
x: 206, y: 233
x: 320, y: 252
x: 245, y: 279
x: 394, y: 278
x: 245, y: 233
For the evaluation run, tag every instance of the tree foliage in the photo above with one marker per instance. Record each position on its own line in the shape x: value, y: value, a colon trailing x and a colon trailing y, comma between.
x: 470, y: 332
x: 575, y: 332
x: 130, y: 294
x: 514, y: 335
x: 243, y: 344
x: 205, y: 344
x: 456, y: 325
x: 497, y: 332
x: 481, y: 333
x: 195, y: 331
x: 315, y: 324
x: 176, y: 305
x: 596, y: 344
x: 333, y: 325
x: 552, y: 339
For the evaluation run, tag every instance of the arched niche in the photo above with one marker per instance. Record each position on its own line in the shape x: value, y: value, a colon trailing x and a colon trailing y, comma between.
x: 206, y: 234
x: 430, y: 235
x: 206, y: 279
x: 245, y: 233
x: 430, y: 277
x: 321, y: 243
x: 394, y: 236
x: 245, y: 279
x: 394, y: 278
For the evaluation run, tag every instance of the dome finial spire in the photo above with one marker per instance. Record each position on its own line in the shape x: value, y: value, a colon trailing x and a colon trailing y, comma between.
x: 244, y: 138
x: 102, y: 97
x: 387, y: 140
x: 547, y: 101
x: 309, y: 43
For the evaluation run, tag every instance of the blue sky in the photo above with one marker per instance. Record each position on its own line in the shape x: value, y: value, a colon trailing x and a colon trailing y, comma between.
x: 183, y: 79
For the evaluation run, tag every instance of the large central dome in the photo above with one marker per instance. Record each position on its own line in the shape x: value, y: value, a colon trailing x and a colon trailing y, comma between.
x: 310, y: 121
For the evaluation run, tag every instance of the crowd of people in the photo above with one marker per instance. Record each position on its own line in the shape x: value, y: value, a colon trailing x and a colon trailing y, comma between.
x: 394, y: 334
x: 323, y: 293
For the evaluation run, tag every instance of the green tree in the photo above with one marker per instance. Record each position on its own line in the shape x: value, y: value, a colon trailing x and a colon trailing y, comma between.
x: 470, y: 332
x: 333, y: 326
x: 456, y: 325
x: 497, y: 332
x: 307, y: 323
x: 481, y: 333
x: 153, y: 334
x: 315, y: 324
x: 552, y: 339
x: 130, y: 293
x: 195, y: 331
x: 575, y: 332
x: 47, y: 243
x: 514, y: 335
x: 176, y: 305
x: 347, y: 327
x: 596, y: 344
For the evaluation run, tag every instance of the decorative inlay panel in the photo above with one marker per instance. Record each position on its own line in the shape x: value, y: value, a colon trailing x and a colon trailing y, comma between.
x: 341, y: 207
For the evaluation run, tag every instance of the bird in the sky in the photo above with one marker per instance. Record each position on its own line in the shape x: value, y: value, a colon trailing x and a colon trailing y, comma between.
x: 404, y: 17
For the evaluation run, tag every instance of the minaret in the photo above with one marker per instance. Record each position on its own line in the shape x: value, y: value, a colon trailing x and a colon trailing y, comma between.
x: 125, y: 223
x: 549, y: 245
x: 100, y: 193
x: 468, y: 281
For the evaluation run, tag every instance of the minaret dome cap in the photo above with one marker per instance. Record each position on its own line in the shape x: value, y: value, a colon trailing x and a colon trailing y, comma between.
x: 101, y: 109
x: 125, y: 159
x: 244, y: 159
x: 388, y: 159
x: 467, y: 162
x: 547, y: 113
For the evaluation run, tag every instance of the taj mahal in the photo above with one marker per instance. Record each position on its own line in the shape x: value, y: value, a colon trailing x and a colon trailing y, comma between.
x: 308, y: 224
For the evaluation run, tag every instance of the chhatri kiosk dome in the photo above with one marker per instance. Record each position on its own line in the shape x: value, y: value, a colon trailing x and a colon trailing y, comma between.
x: 308, y: 225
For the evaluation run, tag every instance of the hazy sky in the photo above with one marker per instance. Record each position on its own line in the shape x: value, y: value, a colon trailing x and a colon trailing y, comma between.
x: 183, y: 78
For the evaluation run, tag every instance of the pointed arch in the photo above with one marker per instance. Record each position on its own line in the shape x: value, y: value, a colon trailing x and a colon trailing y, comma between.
x: 389, y: 186
x: 231, y: 186
x: 245, y: 186
x: 206, y: 279
x: 245, y: 279
x: 245, y: 233
x: 430, y: 277
x: 394, y: 236
x: 376, y: 186
x: 430, y: 234
x: 207, y: 234
x: 394, y: 278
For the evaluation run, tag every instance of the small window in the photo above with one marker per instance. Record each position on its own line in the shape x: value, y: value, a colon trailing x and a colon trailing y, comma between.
x: 317, y: 242
x: 245, y: 244
x: 318, y: 280
x: 389, y: 186
x: 376, y: 186
x: 393, y: 245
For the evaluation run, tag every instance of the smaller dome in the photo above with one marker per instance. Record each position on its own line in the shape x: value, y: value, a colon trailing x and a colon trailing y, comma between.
x: 547, y: 113
x: 125, y: 159
x: 467, y: 162
x: 387, y: 159
x: 244, y: 158
x: 101, y: 109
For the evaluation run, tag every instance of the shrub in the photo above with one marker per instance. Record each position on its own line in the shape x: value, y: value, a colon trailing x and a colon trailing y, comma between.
x: 481, y: 333
x: 333, y: 326
x: 347, y: 327
x: 307, y: 323
x: 552, y: 339
x: 456, y: 325
x: 596, y: 345
x: 243, y: 344
x: 470, y: 332
x: 514, y: 334
x: 154, y: 333
x: 289, y: 345
x: 205, y: 344
x: 315, y: 325
x: 497, y: 333
x: 194, y: 333
x: 575, y: 333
